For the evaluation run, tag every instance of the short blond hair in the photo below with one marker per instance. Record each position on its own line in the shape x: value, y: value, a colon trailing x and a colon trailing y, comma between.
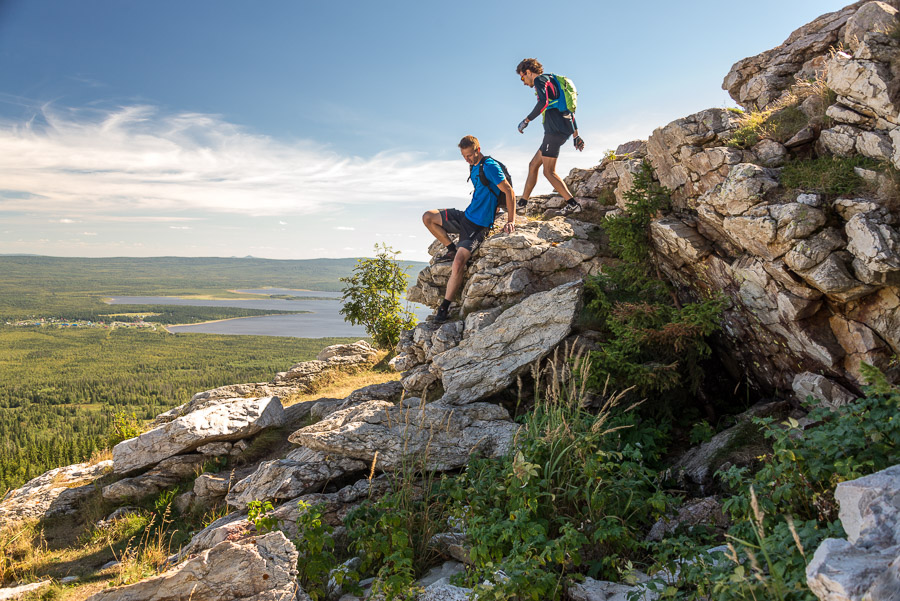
x: 469, y: 142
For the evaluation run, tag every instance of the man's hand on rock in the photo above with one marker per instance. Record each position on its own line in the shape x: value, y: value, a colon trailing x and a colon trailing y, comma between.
x: 510, y: 227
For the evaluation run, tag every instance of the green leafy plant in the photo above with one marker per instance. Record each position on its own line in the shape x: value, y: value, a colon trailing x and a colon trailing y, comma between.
x: 652, y: 342
x: 258, y: 514
x: 574, y: 497
x: 371, y: 297
x: 315, y: 544
x: 391, y: 534
x: 123, y: 427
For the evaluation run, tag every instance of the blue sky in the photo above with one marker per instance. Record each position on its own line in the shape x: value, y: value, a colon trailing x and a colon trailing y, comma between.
x: 293, y: 130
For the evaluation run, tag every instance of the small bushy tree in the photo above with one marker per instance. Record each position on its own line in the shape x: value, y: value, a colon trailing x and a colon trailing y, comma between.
x: 372, y: 297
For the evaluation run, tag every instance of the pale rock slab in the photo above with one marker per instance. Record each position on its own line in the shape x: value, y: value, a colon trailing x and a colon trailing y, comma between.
x: 11, y: 593
x: 226, y: 420
x: 863, y: 84
x: 262, y: 568
x: 56, y: 492
x: 489, y: 360
x: 872, y: 16
x: 875, y: 244
x: 866, y: 567
x: 302, y: 471
x: 439, y: 436
x: 840, y: 140
x: 826, y: 392
x: 601, y: 590
x: 166, y: 473
x: 770, y: 153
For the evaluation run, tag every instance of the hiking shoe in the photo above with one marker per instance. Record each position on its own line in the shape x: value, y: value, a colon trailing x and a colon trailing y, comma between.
x: 447, y: 257
x: 571, y: 207
x: 442, y: 315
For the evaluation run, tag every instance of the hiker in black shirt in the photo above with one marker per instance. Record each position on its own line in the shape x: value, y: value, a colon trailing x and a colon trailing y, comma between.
x: 558, y: 126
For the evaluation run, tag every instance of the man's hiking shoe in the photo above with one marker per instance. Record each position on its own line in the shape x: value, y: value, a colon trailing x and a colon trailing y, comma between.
x: 442, y: 315
x: 447, y: 257
x: 571, y: 207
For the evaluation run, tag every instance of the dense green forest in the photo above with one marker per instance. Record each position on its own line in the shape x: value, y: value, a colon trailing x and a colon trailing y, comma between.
x: 60, y: 387
x: 71, y: 287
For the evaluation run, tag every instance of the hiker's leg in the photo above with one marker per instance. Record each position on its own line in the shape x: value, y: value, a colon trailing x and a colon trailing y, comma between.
x: 555, y: 180
x: 435, y: 224
x: 533, y: 168
x: 456, y: 272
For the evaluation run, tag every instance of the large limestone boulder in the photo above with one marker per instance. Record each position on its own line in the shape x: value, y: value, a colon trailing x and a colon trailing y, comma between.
x: 490, y: 359
x: 56, y: 492
x: 866, y: 566
x: 601, y: 590
x: 225, y: 420
x: 262, y: 568
x: 436, y: 435
x: 302, y: 471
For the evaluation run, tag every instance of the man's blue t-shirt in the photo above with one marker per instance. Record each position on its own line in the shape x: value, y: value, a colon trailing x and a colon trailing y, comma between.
x: 484, y: 199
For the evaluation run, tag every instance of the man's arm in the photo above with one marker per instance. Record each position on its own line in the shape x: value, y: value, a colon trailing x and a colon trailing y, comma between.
x: 542, y: 101
x: 507, y: 191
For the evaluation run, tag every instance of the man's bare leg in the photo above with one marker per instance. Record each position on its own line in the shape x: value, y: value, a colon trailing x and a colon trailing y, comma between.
x: 435, y: 224
x: 456, y: 273
x: 534, y: 168
x: 555, y: 180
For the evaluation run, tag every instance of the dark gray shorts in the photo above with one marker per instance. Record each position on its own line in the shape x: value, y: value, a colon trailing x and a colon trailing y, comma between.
x: 455, y: 221
x: 552, y: 143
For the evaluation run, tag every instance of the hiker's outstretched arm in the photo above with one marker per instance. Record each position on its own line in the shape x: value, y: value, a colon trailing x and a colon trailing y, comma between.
x: 510, y: 195
x: 541, y: 103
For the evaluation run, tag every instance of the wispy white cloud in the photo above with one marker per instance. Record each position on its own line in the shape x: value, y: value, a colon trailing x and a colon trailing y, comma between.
x: 66, y: 220
x: 180, y: 227
x: 135, y: 160
x: 345, y: 228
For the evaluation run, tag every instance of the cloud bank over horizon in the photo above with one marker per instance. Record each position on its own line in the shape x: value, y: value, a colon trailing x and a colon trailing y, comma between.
x: 136, y: 159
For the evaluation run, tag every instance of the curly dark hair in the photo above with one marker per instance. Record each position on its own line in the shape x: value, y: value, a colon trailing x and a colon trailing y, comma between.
x: 530, y: 64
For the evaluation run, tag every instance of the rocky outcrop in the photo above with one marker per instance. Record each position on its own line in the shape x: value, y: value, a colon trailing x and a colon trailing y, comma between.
x: 491, y: 358
x: 865, y: 566
x: 506, y: 268
x: 56, y: 492
x: 225, y: 420
x: 759, y: 81
x: 434, y: 436
x: 261, y: 568
x: 301, y: 378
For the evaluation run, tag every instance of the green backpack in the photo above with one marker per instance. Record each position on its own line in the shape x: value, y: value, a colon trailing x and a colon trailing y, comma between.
x: 567, y: 100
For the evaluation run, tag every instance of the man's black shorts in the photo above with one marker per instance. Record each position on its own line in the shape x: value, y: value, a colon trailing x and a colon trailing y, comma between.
x: 551, y: 144
x: 456, y: 222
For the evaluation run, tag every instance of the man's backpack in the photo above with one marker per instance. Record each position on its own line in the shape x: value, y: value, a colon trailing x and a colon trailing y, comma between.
x: 487, y: 184
x: 567, y: 100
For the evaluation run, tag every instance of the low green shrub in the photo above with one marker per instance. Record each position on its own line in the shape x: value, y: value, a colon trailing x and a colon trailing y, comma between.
x: 786, y: 509
x: 391, y: 534
x: 832, y: 176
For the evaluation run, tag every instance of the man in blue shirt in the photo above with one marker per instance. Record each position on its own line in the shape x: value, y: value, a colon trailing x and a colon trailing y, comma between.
x: 473, y: 224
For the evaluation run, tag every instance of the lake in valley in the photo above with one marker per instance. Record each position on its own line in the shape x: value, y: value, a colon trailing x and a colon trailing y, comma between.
x: 324, y: 319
